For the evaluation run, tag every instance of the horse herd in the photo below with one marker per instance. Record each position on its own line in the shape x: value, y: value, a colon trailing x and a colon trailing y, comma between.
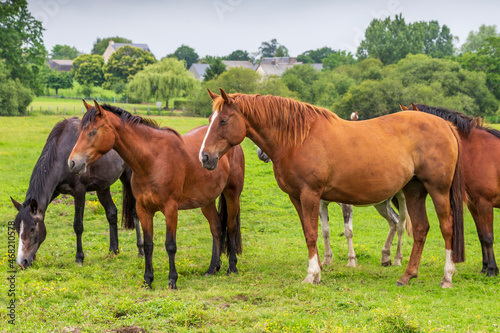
x: 317, y: 158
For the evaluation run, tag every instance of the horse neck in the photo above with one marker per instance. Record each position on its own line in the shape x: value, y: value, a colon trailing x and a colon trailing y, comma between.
x: 266, y: 139
x: 133, y: 144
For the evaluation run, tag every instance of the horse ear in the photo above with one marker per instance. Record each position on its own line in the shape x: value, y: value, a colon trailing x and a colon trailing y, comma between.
x: 414, y: 107
x: 87, y: 105
x: 212, y: 95
x: 16, y: 204
x: 403, y: 108
x: 34, y: 206
x: 98, y: 109
x: 225, y: 96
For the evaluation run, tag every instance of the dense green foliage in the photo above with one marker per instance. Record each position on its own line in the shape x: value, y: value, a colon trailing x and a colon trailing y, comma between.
x: 55, y: 79
x: 162, y: 80
x: 123, y: 64
x: 101, y: 44
x: 237, y: 55
x: 186, y: 53
x: 391, y: 40
x: 88, y: 69
x: 14, y: 96
x: 314, y: 56
x: 105, y: 294
x: 476, y: 39
x: 216, y: 68
x: 64, y: 52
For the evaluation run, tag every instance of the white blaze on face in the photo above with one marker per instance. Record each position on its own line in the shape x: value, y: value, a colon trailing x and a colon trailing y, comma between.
x: 206, y: 136
x: 20, y: 253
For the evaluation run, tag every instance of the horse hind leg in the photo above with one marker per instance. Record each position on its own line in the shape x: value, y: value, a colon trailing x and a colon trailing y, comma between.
x: 403, y: 218
x: 482, y: 213
x: 229, y: 214
x: 325, y: 231
x: 347, y: 213
x: 106, y: 200
x: 210, y: 213
x: 79, y: 197
x: 386, y: 211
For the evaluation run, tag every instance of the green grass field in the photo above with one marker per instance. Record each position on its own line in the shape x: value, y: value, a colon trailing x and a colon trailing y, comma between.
x: 105, y: 294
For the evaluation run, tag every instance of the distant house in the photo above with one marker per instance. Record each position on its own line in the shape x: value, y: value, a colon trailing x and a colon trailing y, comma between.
x: 61, y: 65
x: 198, y: 70
x: 112, y: 47
x: 276, y: 65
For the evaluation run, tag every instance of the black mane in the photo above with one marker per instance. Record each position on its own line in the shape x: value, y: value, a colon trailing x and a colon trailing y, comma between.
x: 46, y: 161
x: 126, y: 118
x: 465, y: 124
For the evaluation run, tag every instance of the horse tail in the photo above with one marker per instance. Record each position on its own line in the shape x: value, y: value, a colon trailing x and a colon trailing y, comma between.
x: 457, y: 196
x: 128, y: 201
x: 223, y: 218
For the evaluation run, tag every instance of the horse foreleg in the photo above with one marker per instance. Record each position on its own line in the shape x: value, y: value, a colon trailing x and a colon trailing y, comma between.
x: 415, y: 194
x: 170, y: 210
x: 106, y: 200
x: 347, y: 212
x: 325, y: 230
x: 79, y: 197
x: 482, y: 213
x: 146, y: 219
x: 210, y: 213
x: 308, y: 209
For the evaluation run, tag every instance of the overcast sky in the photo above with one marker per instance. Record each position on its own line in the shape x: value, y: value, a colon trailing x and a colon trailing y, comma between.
x: 218, y: 27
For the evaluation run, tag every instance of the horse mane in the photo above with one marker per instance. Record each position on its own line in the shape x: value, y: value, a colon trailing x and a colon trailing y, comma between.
x: 465, y: 124
x: 46, y: 161
x: 126, y: 118
x: 291, y: 118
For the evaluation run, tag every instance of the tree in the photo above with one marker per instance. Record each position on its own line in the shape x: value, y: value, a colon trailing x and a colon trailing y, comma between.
x: 21, y: 43
x: 269, y: 49
x: 163, y: 80
x: 273, y: 85
x: 64, y: 52
x: 477, y: 38
x: 300, y: 79
x: 88, y: 69
x: 238, y: 55
x: 186, y: 53
x: 101, y: 44
x: 337, y: 58
x: 124, y: 64
x: 315, y: 56
x: 281, y: 51
x: 14, y: 97
x: 58, y: 80
x: 216, y: 68
x: 391, y: 40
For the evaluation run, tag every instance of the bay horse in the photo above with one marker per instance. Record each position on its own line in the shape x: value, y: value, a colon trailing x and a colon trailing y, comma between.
x: 396, y: 225
x: 51, y: 177
x: 312, y: 160
x: 481, y: 168
x: 166, y: 177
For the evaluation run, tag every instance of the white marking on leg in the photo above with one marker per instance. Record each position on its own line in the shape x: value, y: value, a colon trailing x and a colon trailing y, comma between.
x: 449, y: 270
x: 348, y: 233
x: 403, y: 215
x: 20, y: 253
x: 314, y: 271
x: 325, y: 231
x: 206, y: 136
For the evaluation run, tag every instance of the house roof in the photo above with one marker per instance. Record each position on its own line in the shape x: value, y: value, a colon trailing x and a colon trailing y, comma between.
x: 60, y: 64
x: 237, y: 63
x: 278, y: 69
x: 116, y: 46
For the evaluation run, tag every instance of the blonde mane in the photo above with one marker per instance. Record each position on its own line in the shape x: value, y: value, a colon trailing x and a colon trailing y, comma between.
x: 291, y: 119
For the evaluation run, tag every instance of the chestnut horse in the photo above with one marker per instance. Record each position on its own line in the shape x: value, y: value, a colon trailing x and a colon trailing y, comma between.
x: 481, y: 167
x: 313, y: 159
x: 166, y: 177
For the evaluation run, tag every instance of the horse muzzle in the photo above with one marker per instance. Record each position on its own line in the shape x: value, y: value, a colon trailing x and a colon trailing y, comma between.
x: 77, y: 165
x: 209, y: 162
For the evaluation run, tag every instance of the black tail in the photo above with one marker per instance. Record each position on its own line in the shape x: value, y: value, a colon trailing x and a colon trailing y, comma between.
x: 128, y: 201
x: 225, y: 237
x: 457, y: 196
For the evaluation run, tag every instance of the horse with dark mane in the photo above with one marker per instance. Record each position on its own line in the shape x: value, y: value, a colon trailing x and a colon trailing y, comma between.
x: 313, y: 160
x: 51, y: 177
x: 167, y: 177
x: 481, y: 168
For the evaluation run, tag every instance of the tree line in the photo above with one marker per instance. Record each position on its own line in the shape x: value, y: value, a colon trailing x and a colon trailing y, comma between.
x: 397, y: 62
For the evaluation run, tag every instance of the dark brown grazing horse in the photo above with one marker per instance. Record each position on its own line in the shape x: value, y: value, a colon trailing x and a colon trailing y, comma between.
x: 167, y: 176
x: 313, y: 159
x: 481, y: 168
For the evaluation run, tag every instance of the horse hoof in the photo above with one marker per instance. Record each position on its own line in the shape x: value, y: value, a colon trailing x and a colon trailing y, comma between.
x: 446, y: 284
x: 234, y: 271
x: 172, y: 286
x: 146, y: 285
x: 387, y: 263
x: 399, y: 283
x: 115, y: 252
x: 492, y: 272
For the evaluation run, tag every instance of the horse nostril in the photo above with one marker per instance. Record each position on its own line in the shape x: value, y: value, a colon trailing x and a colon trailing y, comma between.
x: 205, y: 157
x: 25, y: 263
x: 72, y: 164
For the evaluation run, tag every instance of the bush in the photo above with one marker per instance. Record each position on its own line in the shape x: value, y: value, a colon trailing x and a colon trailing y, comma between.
x: 14, y: 97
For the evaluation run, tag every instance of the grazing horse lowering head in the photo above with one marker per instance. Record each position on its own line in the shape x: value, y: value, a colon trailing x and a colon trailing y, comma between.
x: 96, y: 138
x: 227, y: 129
x: 31, y: 230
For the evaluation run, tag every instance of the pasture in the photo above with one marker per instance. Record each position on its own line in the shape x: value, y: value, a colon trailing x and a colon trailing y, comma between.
x: 105, y: 294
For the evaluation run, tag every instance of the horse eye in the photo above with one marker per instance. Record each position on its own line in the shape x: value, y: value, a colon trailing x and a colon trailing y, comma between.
x: 223, y: 121
x: 92, y: 133
x: 32, y: 229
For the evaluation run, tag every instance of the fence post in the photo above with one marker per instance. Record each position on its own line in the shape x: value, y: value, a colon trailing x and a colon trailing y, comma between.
x: 135, y: 110
x: 148, y: 109
x: 65, y: 110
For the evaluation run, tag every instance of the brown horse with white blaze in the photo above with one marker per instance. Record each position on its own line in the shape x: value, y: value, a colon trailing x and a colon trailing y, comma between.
x: 167, y: 177
x: 313, y: 159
